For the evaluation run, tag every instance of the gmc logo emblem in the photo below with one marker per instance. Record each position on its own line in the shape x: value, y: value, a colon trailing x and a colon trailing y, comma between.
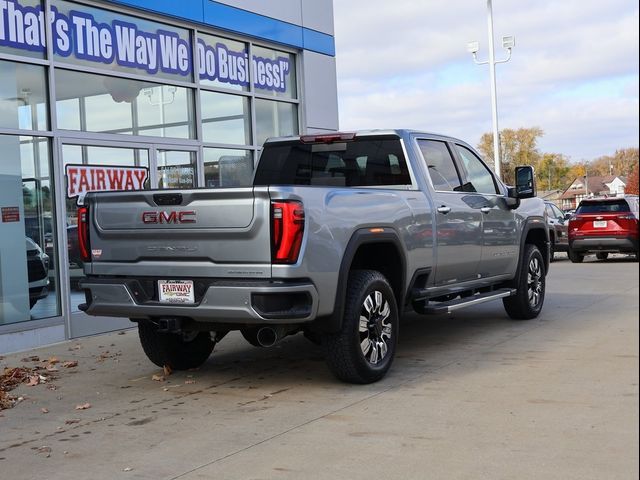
x: 188, y: 216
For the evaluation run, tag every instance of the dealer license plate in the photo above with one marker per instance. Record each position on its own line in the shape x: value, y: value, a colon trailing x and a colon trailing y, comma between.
x: 600, y: 224
x: 176, y: 291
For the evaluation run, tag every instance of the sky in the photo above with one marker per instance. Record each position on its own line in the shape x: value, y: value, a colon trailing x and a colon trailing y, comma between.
x: 573, y: 72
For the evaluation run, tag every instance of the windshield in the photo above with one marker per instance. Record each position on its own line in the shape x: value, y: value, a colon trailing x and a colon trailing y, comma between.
x: 603, y: 207
x: 367, y: 161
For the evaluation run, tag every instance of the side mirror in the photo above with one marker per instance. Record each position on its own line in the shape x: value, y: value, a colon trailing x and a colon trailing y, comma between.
x: 567, y: 216
x: 525, y: 182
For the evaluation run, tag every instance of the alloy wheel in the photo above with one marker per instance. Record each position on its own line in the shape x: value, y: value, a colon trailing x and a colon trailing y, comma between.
x: 535, y: 282
x: 375, y: 327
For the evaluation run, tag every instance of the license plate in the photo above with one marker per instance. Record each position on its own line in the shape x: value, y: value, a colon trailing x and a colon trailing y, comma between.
x: 176, y: 291
x: 600, y: 224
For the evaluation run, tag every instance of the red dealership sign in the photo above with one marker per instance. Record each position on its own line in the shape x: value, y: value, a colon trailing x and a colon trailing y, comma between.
x: 103, y: 178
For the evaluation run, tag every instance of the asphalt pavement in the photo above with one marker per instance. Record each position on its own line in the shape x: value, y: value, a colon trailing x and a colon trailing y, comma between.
x: 471, y: 395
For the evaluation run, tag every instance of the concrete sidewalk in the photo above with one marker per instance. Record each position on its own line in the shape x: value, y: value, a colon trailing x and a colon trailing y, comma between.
x: 472, y: 395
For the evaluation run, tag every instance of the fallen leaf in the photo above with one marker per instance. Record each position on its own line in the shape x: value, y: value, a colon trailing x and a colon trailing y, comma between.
x: 44, y: 410
x: 70, y: 364
x: 33, y: 380
x: 71, y: 421
x: 158, y: 378
x: 167, y: 370
x: 84, y: 406
x: 53, y: 360
x: 119, y: 333
x: 52, y: 368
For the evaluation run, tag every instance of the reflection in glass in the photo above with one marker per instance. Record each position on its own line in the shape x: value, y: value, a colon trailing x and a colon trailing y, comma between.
x: 93, y: 156
x: 176, y: 169
x: 225, y: 118
x: 227, y: 168
x: 28, y: 274
x: 95, y: 103
x: 275, y: 119
x: 23, y: 96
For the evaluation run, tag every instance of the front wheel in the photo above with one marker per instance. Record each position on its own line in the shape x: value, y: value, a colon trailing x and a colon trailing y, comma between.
x: 527, y: 302
x: 180, y: 351
x: 363, y: 350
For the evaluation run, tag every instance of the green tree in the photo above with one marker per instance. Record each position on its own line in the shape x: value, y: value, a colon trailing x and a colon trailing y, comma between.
x: 621, y: 163
x: 517, y: 147
x: 553, y: 172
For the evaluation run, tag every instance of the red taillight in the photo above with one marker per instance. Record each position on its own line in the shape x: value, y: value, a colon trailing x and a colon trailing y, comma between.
x: 83, y: 234
x: 287, y: 228
x: 328, y: 138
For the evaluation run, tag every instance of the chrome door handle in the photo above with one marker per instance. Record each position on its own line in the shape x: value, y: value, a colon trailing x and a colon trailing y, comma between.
x: 485, y: 209
x: 444, y: 210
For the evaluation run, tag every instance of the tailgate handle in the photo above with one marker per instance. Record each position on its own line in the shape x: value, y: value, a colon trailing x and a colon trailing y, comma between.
x: 162, y: 199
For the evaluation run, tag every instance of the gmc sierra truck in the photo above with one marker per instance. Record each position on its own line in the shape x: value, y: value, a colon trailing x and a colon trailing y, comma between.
x: 337, y: 236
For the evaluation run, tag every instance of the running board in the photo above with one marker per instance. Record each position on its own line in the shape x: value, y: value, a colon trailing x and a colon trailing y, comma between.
x: 453, y: 305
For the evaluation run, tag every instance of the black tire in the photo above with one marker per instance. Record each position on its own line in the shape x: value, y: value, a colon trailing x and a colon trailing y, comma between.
x: 552, y: 249
x: 370, y: 297
x: 527, y: 302
x: 602, y: 256
x: 32, y: 303
x: 250, y: 334
x: 178, y: 351
x: 575, y: 257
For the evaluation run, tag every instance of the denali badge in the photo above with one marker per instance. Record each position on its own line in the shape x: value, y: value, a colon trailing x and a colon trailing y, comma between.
x: 188, y: 216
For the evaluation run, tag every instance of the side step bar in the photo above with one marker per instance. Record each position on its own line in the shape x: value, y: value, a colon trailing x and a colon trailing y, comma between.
x: 460, y: 303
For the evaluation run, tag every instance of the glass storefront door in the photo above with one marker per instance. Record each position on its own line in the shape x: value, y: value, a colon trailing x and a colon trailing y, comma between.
x: 109, y: 166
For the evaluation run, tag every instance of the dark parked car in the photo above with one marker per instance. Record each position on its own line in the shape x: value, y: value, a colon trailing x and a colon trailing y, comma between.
x: 37, y: 271
x: 558, y: 228
x: 603, y: 226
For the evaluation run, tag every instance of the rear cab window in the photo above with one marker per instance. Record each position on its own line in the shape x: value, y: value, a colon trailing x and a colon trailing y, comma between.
x: 367, y: 161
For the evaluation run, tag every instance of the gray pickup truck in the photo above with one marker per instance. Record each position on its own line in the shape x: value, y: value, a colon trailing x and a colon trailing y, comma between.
x: 337, y: 237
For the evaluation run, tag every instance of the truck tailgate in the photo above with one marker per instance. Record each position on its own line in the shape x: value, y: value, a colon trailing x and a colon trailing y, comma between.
x: 209, y: 233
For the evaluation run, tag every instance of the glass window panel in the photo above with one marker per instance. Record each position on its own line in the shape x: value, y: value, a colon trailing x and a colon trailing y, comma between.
x: 96, y: 103
x: 93, y: 156
x: 227, y: 168
x: 97, y: 38
x: 23, y: 96
x: 176, y: 169
x: 28, y: 274
x: 478, y: 174
x: 442, y: 170
x: 274, y: 72
x: 275, y: 119
x: 223, y: 63
x: 225, y: 118
x: 26, y: 38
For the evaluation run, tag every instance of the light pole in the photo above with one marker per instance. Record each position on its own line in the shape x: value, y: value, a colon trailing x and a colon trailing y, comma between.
x: 508, y: 42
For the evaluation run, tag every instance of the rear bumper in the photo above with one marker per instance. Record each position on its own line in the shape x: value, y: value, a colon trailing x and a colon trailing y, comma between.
x: 231, y: 302
x: 604, y: 244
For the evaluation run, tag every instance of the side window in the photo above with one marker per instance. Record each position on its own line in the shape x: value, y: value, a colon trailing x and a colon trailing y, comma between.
x: 478, y: 174
x: 550, y: 212
x: 442, y: 170
x: 557, y: 211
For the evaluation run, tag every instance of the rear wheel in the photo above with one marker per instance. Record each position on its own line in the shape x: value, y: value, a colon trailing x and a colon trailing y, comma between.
x: 363, y: 350
x: 180, y: 351
x: 552, y: 249
x: 575, y: 257
x: 527, y: 302
x: 602, y: 256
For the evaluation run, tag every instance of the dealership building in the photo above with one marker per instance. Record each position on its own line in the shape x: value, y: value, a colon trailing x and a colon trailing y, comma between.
x: 128, y: 94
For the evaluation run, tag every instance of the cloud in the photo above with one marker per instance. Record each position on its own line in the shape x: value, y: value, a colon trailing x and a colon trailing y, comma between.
x: 574, y: 71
